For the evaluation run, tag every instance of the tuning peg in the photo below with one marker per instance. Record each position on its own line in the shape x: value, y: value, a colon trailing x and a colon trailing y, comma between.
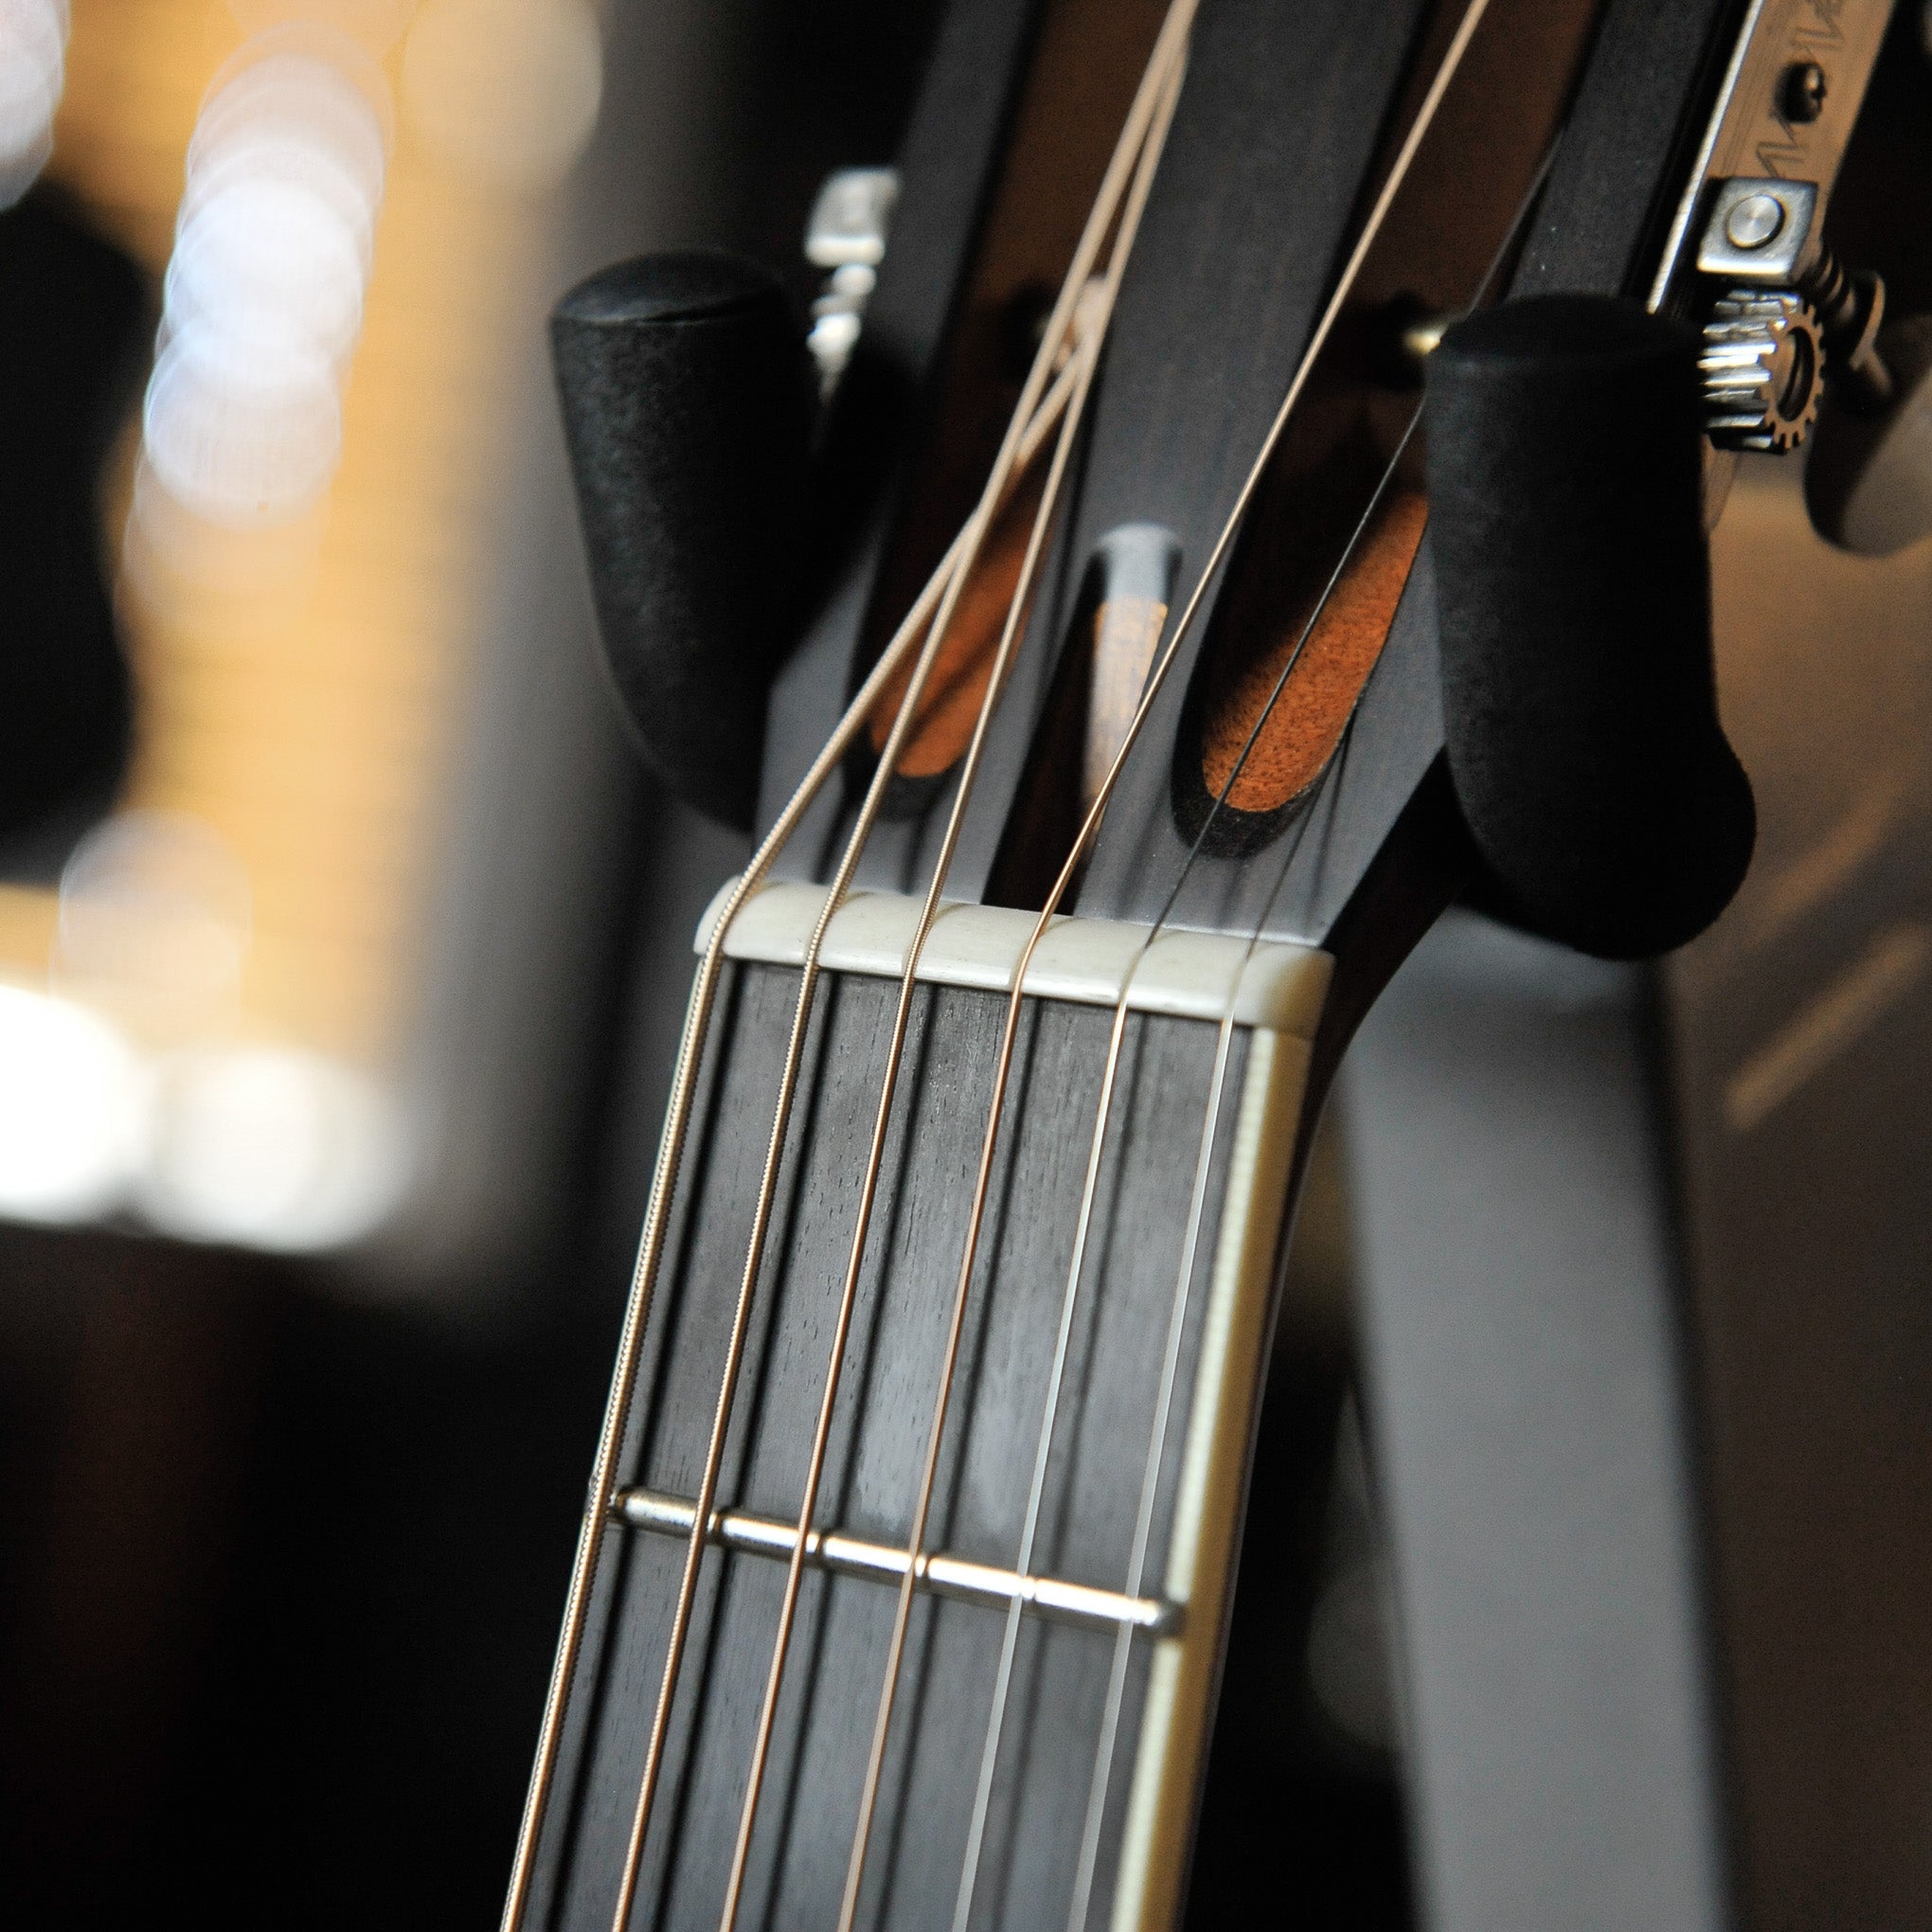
x: 1579, y: 712
x: 686, y: 407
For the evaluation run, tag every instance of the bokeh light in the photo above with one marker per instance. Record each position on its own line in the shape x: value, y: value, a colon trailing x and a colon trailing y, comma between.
x: 33, y: 46
x: 223, y: 990
x: 504, y: 90
x: 271, y: 1147
x: 290, y: 112
x: 266, y: 265
x: 241, y: 436
x: 73, y: 1109
x: 263, y: 296
x: 154, y: 922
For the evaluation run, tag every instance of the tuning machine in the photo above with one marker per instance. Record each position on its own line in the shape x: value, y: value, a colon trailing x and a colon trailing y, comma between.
x: 1747, y: 261
x: 846, y: 235
x: 1784, y: 310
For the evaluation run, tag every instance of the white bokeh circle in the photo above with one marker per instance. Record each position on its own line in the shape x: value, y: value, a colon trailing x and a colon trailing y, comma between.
x: 241, y: 439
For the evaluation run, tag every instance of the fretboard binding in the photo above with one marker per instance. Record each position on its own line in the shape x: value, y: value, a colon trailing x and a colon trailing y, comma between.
x: 958, y: 1577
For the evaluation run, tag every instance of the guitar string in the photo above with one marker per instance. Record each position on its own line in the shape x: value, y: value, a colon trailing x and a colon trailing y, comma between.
x: 841, y: 1332
x: 675, y: 1131
x: 677, y: 1116
x: 1048, y: 1422
x: 895, y: 1654
x: 972, y: 537
x: 685, y: 1599
x: 1330, y: 781
x: 1095, y: 310
x: 990, y: 1752
x: 1023, y: 1562
x: 982, y: 1794
x: 1100, y: 1778
x: 1054, y: 337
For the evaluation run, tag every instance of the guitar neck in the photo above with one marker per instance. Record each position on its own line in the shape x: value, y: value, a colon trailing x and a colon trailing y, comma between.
x: 1045, y: 1739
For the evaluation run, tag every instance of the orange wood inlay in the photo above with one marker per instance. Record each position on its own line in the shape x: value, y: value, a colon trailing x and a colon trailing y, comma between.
x: 957, y: 688
x: 1300, y: 735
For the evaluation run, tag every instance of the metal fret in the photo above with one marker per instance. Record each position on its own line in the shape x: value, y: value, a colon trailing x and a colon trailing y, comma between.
x: 1052, y: 1598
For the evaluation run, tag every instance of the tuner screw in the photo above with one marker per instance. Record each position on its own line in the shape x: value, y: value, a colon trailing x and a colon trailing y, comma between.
x: 1762, y: 361
x: 1802, y: 91
x: 1755, y: 221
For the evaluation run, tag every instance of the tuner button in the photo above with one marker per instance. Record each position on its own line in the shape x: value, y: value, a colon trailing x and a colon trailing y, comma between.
x: 1762, y: 364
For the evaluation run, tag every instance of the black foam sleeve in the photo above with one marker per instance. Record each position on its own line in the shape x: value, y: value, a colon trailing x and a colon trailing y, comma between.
x: 686, y: 410
x: 1565, y: 518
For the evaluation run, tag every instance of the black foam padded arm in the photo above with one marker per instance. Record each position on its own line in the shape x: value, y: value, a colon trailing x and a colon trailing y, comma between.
x: 687, y: 409
x: 1579, y: 702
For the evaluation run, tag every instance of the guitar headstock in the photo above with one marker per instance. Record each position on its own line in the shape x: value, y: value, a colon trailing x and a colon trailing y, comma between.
x: 1256, y: 570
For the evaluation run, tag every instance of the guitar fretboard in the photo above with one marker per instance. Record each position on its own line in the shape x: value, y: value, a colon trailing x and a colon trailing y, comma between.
x: 1052, y: 1694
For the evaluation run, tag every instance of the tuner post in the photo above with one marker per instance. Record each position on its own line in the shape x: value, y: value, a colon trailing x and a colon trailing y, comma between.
x: 846, y: 235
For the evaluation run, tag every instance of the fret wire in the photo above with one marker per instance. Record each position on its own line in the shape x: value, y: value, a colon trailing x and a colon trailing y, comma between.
x: 857, y: 714
x: 1398, y: 173
x: 965, y: 551
x: 1054, y: 1598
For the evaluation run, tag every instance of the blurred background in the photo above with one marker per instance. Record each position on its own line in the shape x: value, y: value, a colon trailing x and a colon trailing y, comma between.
x: 344, y: 943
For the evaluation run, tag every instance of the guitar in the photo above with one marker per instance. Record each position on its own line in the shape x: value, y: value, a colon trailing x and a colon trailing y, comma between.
x: 1173, y: 682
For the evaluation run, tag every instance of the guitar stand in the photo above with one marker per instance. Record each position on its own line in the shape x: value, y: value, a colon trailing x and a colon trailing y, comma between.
x: 1521, y: 1301
x: 1641, y: 1256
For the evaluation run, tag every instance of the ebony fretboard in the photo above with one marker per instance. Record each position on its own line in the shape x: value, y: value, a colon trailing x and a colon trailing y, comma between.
x: 1122, y: 1347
